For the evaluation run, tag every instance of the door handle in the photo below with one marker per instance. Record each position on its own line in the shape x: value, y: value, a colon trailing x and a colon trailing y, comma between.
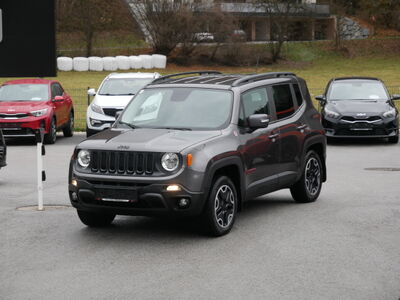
x: 274, y: 136
x: 301, y: 127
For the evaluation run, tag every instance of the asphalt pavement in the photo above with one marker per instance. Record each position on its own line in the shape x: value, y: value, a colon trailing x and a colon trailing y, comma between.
x: 344, y: 246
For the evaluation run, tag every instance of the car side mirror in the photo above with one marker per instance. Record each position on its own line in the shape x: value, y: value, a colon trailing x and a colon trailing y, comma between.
x: 396, y: 97
x: 91, y: 92
x: 320, y: 98
x: 58, y: 99
x: 258, y: 121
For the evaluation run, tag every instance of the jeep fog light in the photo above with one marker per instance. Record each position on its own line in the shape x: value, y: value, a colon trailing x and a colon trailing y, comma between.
x: 170, y: 161
x: 173, y: 188
x: 84, y: 158
x: 183, y: 202
x: 74, y: 182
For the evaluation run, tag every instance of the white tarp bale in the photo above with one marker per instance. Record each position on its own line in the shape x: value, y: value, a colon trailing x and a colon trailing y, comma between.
x: 95, y: 64
x: 109, y: 63
x: 81, y: 64
x: 123, y: 62
x: 147, y: 61
x: 136, y: 62
x: 159, y: 61
x: 64, y: 63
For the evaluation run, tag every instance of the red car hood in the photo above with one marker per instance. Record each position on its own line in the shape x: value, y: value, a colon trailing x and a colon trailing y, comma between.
x: 21, y: 106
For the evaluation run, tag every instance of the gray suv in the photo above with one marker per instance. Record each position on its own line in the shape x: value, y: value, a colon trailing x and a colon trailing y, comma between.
x: 199, y: 144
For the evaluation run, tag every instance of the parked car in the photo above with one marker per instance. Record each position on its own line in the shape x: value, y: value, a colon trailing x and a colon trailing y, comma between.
x: 114, y: 93
x: 203, y: 37
x: 29, y: 104
x: 201, y: 145
x: 3, y: 151
x: 359, y: 107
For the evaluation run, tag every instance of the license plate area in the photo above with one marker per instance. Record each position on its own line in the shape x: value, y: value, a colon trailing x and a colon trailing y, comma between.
x: 361, y: 126
x: 117, y: 195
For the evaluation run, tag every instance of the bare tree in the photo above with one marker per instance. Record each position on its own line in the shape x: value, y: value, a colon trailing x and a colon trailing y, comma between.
x: 278, y: 14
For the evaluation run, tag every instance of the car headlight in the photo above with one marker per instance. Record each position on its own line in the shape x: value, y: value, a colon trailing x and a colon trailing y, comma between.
x: 39, y: 113
x: 97, y: 108
x: 170, y: 161
x: 331, y: 114
x: 390, y: 114
x: 84, y: 158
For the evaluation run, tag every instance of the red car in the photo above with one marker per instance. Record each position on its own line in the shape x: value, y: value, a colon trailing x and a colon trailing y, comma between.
x: 29, y: 104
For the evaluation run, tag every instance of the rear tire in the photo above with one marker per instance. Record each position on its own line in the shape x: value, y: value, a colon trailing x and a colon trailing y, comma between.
x: 92, y: 219
x: 309, y: 186
x: 221, y: 207
x: 51, y: 137
x: 68, y: 130
x: 393, y: 139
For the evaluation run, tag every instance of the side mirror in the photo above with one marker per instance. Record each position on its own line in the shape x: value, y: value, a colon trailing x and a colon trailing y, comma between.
x: 396, y: 97
x: 91, y: 92
x: 320, y: 98
x: 258, y: 121
x: 58, y: 99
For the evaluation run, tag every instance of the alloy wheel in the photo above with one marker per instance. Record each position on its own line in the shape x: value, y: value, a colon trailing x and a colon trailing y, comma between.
x: 313, y: 176
x: 224, y: 207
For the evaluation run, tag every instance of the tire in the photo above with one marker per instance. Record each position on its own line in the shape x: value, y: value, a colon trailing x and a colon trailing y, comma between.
x: 68, y: 130
x: 90, y: 132
x: 309, y: 186
x: 393, y: 139
x: 218, y: 224
x: 51, y: 137
x: 92, y: 219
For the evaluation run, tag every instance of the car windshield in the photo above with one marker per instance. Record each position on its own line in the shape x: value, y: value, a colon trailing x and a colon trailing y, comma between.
x: 357, y: 90
x: 179, y: 108
x: 24, y: 92
x: 123, y: 86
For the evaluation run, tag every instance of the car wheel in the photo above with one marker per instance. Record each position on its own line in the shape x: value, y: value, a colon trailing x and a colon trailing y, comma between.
x: 221, y: 207
x: 394, y: 139
x: 308, y: 188
x: 92, y: 219
x: 68, y: 130
x: 51, y: 137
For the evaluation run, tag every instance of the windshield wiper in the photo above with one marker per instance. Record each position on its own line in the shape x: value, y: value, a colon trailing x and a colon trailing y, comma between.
x: 128, y: 124
x: 174, y: 128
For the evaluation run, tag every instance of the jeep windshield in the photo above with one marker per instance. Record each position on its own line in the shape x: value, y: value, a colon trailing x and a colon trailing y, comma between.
x: 179, y: 109
x: 24, y: 92
x: 123, y: 86
x: 357, y: 90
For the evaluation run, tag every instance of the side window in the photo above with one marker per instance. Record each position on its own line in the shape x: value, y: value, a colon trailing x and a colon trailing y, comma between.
x: 253, y: 102
x: 297, y: 92
x: 56, y: 90
x: 283, y: 100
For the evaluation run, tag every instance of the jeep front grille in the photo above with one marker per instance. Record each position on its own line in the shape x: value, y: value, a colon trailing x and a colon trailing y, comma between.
x: 123, y: 163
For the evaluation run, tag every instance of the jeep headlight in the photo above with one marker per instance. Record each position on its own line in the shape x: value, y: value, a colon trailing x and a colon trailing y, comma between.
x: 39, y: 113
x: 390, y: 114
x: 331, y: 114
x: 96, y: 108
x: 84, y: 158
x: 170, y: 161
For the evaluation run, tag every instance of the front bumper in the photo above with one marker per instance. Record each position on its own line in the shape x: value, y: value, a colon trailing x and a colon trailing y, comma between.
x: 360, y: 129
x: 135, y: 199
x: 23, y: 127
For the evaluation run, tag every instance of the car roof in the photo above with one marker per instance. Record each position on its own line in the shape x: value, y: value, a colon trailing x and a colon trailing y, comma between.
x: 30, y: 81
x: 217, y: 79
x: 356, y: 78
x: 133, y: 75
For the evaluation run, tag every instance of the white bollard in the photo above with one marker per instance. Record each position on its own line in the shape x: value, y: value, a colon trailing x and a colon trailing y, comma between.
x: 40, y: 173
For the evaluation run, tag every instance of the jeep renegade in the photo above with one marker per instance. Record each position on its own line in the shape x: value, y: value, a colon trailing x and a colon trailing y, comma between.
x: 200, y: 144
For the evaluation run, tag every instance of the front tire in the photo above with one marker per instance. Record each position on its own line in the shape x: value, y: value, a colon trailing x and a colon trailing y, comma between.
x: 221, y: 207
x: 51, y: 137
x: 92, y: 219
x: 309, y: 186
x: 68, y: 130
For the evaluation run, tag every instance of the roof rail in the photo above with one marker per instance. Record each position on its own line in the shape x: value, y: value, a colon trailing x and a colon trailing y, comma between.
x: 163, y: 78
x: 257, y: 77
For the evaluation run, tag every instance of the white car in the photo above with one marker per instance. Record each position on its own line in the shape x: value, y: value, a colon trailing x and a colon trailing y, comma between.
x: 114, y: 93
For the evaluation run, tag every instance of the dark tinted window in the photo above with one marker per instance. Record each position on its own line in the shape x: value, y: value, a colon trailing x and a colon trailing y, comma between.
x: 253, y: 102
x: 56, y: 90
x: 283, y: 100
x: 299, y: 97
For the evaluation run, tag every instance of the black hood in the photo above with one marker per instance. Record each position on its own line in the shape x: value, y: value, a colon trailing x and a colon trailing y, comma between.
x: 147, y: 140
x: 354, y: 107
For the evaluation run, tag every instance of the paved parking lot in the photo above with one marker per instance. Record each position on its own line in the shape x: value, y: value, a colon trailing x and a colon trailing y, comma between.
x: 345, y: 246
